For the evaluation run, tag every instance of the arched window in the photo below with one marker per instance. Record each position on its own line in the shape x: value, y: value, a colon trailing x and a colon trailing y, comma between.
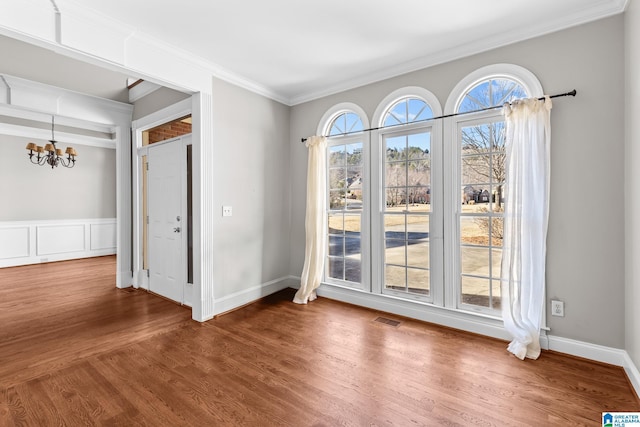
x: 478, y: 159
x: 408, y: 153
x: 346, y: 261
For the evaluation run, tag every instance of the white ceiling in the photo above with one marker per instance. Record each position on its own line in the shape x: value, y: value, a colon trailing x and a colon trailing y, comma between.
x: 298, y: 50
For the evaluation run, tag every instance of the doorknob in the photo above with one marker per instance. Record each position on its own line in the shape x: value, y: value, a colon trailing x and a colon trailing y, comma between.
x: 176, y: 230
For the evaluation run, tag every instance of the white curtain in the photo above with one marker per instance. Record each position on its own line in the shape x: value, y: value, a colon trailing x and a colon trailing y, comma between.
x: 526, y: 213
x: 315, y: 220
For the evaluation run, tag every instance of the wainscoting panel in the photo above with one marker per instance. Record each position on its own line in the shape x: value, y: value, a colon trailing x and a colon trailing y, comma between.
x: 32, y: 242
x: 103, y: 236
x: 14, y: 242
x: 59, y: 239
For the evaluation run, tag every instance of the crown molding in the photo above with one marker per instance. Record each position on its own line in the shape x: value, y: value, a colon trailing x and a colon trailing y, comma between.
x: 114, y: 44
x: 536, y: 29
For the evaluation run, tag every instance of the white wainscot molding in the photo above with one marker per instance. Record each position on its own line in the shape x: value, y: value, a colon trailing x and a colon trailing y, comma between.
x: 33, y: 242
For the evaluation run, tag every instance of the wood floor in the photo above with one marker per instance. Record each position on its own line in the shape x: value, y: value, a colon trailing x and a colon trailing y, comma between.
x: 74, y: 350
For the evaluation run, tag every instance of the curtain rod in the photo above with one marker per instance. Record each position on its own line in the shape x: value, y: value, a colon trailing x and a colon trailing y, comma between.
x: 570, y: 93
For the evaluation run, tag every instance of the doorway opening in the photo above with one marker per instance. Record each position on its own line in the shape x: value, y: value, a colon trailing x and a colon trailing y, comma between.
x: 164, y: 201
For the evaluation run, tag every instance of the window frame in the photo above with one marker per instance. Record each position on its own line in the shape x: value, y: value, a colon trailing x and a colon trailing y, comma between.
x: 452, y: 161
x: 379, y: 200
x: 365, y: 227
x: 379, y: 221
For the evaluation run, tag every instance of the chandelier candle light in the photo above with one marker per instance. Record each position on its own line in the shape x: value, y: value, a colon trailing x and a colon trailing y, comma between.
x: 50, y: 155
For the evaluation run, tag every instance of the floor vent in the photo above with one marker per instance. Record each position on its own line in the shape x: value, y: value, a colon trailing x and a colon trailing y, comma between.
x: 388, y: 321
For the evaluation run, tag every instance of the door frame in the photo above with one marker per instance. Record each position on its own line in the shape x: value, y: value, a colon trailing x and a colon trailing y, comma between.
x: 175, y: 111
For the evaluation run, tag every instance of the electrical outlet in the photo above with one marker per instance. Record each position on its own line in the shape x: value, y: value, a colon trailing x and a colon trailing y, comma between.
x: 557, y: 308
x: 227, y: 211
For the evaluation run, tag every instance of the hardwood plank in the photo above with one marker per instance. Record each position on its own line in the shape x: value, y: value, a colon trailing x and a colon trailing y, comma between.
x: 74, y: 350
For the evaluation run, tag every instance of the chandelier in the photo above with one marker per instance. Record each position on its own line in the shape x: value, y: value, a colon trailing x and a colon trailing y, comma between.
x: 50, y: 155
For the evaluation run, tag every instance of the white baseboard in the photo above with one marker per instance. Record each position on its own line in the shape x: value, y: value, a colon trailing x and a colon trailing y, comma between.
x: 246, y: 296
x: 599, y: 353
x: 632, y: 372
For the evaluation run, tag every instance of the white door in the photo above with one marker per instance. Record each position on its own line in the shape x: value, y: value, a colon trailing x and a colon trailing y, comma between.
x: 165, y: 243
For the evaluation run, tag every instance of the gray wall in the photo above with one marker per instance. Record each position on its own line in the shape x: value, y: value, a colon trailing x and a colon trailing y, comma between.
x: 31, y: 192
x: 585, y: 259
x: 632, y: 179
x: 251, y: 134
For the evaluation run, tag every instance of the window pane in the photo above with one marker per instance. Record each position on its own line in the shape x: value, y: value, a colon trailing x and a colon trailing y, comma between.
x: 474, y: 260
x: 498, y: 129
x: 476, y: 170
x: 337, y: 178
x: 345, y: 123
x: 399, y: 111
x: 396, y: 175
x: 483, y: 180
x: 337, y: 199
x: 497, y: 230
x: 418, y: 110
x: 476, y: 139
x: 496, y: 263
x: 352, y: 224
x: 419, y: 145
x: 352, y: 267
x: 345, y: 192
x: 474, y: 230
x: 417, y: 227
x: 418, y: 254
x: 354, y: 177
x: 418, y: 281
x: 336, y: 245
x: 336, y: 268
x: 496, y: 294
x: 475, y: 291
x: 396, y: 148
x: 353, y: 122
x: 408, y: 110
x: 491, y: 93
x: 419, y: 199
x: 394, y: 252
x: 394, y: 277
x: 354, y: 154
x: 394, y: 227
x: 337, y: 156
x: 338, y: 126
x: 418, y: 172
x: 499, y: 168
x: 336, y: 224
